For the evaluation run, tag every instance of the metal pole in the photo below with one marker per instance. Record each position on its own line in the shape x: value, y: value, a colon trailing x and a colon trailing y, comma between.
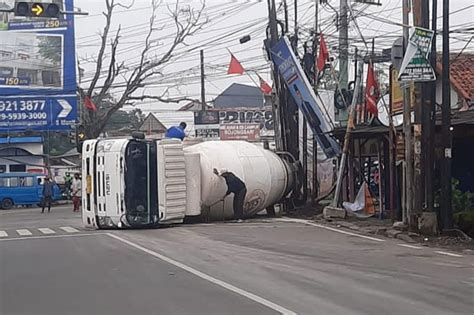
x: 285, y: 7
x: 203, y: 88
x: 347, y: 137
x: 446, y: 189
x: 406, y: 214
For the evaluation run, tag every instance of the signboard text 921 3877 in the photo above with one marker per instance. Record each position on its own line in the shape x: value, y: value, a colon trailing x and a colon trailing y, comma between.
x: 37, y: 71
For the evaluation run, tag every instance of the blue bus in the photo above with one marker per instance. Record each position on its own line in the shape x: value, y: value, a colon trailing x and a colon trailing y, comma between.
x: 23, y: 189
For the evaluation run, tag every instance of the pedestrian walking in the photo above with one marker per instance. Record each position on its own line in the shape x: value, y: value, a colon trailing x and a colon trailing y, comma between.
x: 176, y: 132
x: 76, y: 188
x: 236, y: 186
x: 47, y: 195
x: 67, y: 184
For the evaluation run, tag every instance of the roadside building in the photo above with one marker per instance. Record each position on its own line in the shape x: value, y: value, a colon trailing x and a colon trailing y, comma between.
x: 22, y: 154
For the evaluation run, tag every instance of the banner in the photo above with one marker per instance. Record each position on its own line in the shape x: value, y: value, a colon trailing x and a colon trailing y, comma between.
x: 248, y: 132
x: 37, y: 70
x: 416, y: 65
x: 298, y: 85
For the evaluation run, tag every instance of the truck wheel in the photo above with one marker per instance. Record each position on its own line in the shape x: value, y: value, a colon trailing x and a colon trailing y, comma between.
x: 6, y: 204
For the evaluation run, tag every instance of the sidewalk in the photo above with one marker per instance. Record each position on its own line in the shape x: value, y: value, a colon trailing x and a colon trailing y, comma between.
x: 384, y: 228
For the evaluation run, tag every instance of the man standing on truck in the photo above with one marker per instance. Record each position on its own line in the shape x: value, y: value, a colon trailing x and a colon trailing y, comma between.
x: 76, y: 192
x: 177, y: 132
x: 47, y: 195
x: 237, y: 186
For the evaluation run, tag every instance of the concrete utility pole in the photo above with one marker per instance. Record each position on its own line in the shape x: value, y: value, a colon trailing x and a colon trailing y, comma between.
x: 430, y: 152
x: 203, y: 88
x: 446, y: 189
x: 343, y: 53
x: 407, y: 129
x: 420, y: 18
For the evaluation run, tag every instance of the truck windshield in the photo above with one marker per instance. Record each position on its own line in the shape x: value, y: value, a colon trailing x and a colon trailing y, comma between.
x: 141, y: 197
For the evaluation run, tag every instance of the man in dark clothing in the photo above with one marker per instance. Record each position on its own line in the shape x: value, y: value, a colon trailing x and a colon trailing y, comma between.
x: 48, y: 187
x: 237, y: 186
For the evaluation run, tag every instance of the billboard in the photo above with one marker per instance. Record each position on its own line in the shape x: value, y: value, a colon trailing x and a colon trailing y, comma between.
x: 37, y: 70
x: 299, y: 87
x: 247, y: 132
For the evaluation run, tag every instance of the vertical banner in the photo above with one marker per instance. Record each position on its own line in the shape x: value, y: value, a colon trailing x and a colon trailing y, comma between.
x: 37, y: 70
x: 299, y: 87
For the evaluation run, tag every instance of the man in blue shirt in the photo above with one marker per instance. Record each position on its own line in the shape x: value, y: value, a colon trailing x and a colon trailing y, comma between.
x: 176, y: 132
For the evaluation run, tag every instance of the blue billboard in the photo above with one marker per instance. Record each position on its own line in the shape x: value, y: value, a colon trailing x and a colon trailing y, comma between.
x: 37, y: 70
x: 299, y: 87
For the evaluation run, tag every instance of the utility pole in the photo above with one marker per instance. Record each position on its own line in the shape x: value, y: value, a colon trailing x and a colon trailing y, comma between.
x: 407, y: 129
x: 430, y: 152
x: 420, y: 18
x: 343, y: 53
x: 203, y: 88
x: 315, y: 184
x: 296, y: 26
x: 446, y: 189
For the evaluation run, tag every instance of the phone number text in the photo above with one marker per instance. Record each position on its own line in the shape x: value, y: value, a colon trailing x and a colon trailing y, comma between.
x: 24, y: 106
x: 23, y: 116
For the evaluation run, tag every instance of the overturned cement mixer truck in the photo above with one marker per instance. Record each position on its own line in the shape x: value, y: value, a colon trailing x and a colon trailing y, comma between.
x: 133, y: 183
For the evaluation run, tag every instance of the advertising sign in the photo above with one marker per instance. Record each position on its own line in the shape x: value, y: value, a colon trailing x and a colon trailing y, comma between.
x: 248, y: 132
x: 298, y: 85
x: 37, y: 70
x: 263, y: 117
x: 416, y: 64
x: 207, y: 132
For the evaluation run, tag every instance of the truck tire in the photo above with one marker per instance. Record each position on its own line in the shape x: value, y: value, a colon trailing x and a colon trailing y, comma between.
x: 6, y: 204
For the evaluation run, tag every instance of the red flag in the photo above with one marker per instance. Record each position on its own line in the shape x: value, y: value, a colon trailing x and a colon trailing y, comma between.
x: 371, y: 90
x: 323, y: 53
x: 89, y: 104
x: 235, y: 66
x: 264, y: 86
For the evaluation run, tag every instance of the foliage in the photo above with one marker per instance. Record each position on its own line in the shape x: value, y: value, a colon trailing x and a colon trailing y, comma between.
x: 115, y: 83
x: 56, y: 143
x: 50, y: 48
x: 462, y: 201
x: 122, y: 119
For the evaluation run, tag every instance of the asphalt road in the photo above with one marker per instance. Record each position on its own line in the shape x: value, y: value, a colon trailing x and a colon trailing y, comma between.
x: 256, y: 267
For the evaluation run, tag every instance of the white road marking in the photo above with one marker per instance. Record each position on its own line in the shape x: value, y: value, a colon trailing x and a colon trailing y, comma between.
x: 49, y: 236
x: 46, y: 231
x: 69, y: 229
x: 308, y: 222
x: 24, y: 232
x: 410, y: 246
x: 448, y: 254
x: 3, y: 234
x: 209, y: 278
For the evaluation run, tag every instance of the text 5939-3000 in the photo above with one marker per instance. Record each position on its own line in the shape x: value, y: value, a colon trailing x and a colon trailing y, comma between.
x: 23, y: 116
x: 24, y: 106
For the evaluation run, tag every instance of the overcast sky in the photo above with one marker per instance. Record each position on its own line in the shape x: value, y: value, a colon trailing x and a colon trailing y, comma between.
x: 229, y: 21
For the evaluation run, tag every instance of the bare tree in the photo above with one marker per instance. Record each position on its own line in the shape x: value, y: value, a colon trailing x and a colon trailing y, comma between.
x: 132, y: 78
